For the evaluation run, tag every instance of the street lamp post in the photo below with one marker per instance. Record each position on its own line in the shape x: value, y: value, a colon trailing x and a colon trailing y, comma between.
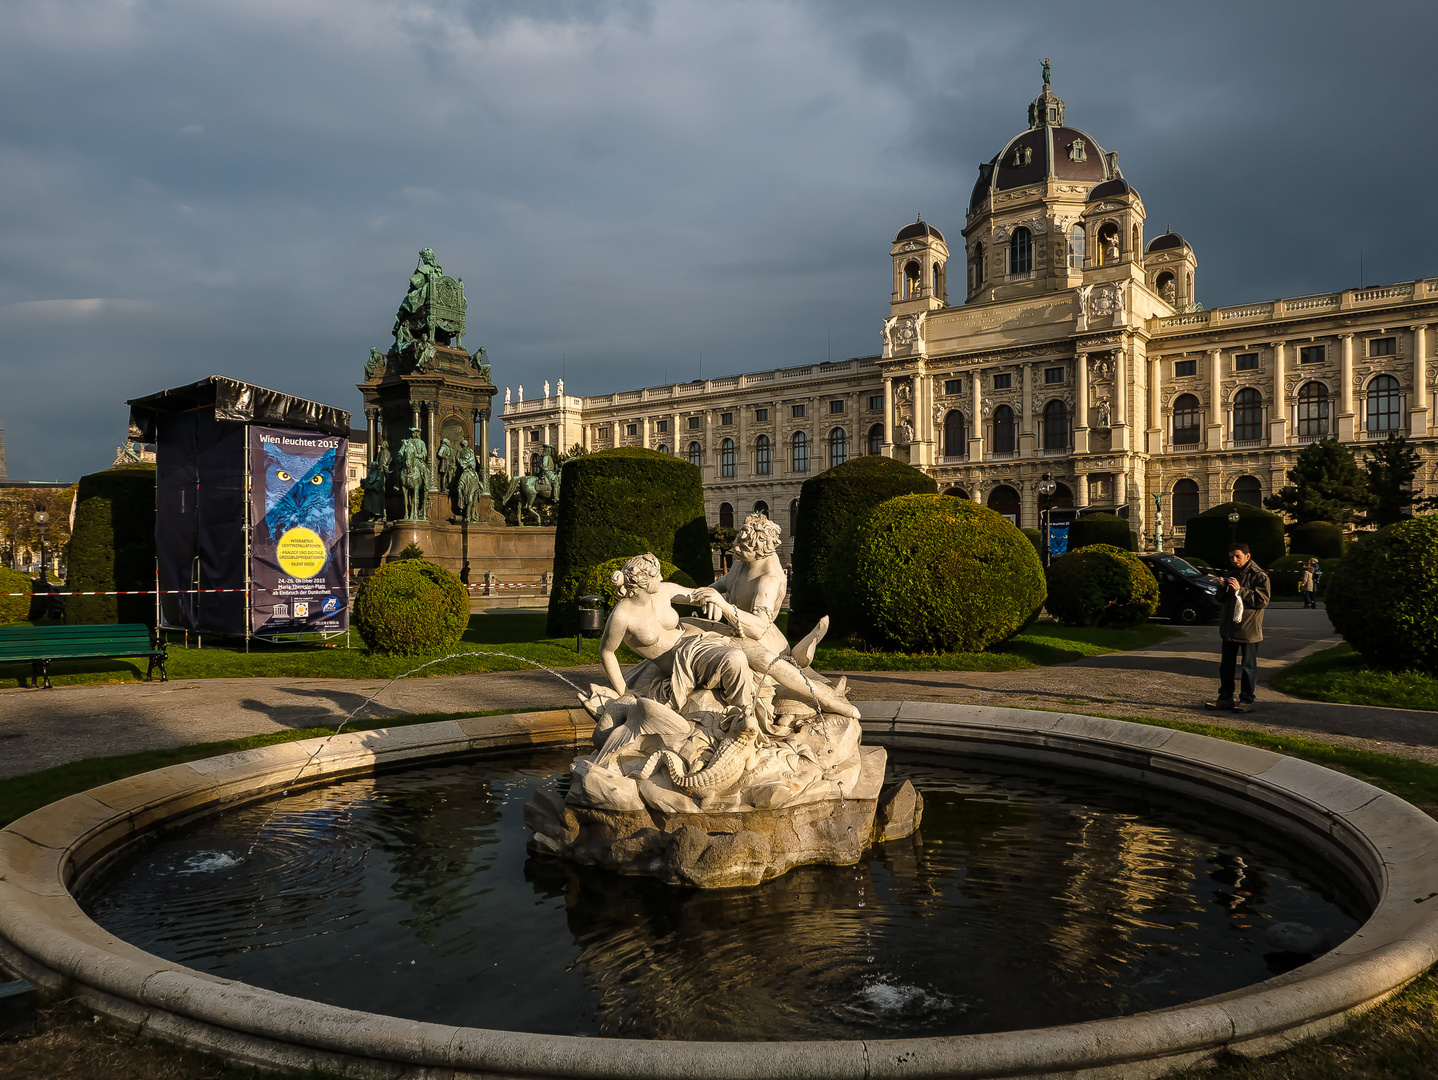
x: 1046, y: 489
x: 1232, y: 525
x: 42, y: 520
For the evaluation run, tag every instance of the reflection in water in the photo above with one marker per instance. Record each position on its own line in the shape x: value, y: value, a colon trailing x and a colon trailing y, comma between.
x: 1030, y: 899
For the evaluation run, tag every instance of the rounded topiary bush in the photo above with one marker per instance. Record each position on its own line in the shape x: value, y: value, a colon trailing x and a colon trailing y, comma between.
x: 411, y: 606
x: 932, y: 573
x: 622, y: 502
x: 599, y: 580
x: 1089, y: 529
x: 1207, y: 535
x: 1323, y: 538
x: 1101, y: 585
x: 827, y: 504
x: 14, y: 609
x: 1286, y: 574
x: 1035, y: 538
x: 1383, y: 596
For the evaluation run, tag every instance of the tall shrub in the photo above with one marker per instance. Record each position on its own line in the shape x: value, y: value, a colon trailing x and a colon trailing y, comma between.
x: 1209, y: 533
x: 1383, y: 596
x: 14, y: 609
x: 112, y: 546
x: 932, y: 573
x: 1089, y: 529
x: 1101, y: 585
x: 827, y: 504
x: 1323, y: 538
x: 622, y: 502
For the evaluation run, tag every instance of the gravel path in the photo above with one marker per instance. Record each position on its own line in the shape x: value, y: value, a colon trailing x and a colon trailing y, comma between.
x: 42, y: 728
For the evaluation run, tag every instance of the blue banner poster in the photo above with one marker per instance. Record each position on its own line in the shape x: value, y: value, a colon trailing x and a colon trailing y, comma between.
x: 299, y: 538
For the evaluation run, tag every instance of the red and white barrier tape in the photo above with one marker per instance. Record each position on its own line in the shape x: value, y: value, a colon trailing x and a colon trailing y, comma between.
x: 137, y: 592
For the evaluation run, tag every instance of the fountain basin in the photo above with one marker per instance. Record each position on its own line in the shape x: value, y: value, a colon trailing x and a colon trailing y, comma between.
x: 1387, y: 849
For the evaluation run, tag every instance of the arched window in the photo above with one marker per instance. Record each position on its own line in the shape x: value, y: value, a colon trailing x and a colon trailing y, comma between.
x: 1313, y: 409
x: 876, y: 440
x: 1137, y: 244
x: 955, y: 437
x: 1021, y: 251
x: 1383, y: 404
x: 1247, y: 489
x: 976, y: 267
x: 696, y: 454
x: 1185, y: 502
x: 838, y: 447
x: 763, y: 456
x: 794, y: 518
x: 913, y: 280
x: 728, y: 460
x: 726, y: 516
x: 1108, y: 244
x: 1056, y: 425
x: 664, y: 448
x: 1004, y: 430
x: 1186, y: 421
x: 1063, y: 496
x: 938, y: 273
x: 761, y: 507
x: 1076, y: 247
x: 1165, y: 287
x: 799, y: 457
x: 1005, y: 500
x: 956, y: 492
x: 1247, y: 414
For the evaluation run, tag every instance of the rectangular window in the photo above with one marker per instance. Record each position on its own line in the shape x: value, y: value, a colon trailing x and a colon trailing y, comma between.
x: 876, y: 402
x: 797, y: 412
x: 604, y: 433
x: 1003, y: 382
x: 1246, y: 362
x: 1313, y: 354
x: 953, y: 386
x: 534, y: 436
x: 726, y: 418
x: 1053, y: 375
x: 1382, y: 346
x: 760, y: 415
x: 663, y: 426
x: 694, y: 422
x: 632, y: 430
x: 836, y: 406
x: 1185, y: 367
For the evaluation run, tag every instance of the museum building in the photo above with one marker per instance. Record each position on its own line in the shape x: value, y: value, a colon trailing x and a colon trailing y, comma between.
x: 1078, y: 351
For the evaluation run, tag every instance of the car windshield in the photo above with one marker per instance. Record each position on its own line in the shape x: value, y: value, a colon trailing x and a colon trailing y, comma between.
x: 1178, y: 566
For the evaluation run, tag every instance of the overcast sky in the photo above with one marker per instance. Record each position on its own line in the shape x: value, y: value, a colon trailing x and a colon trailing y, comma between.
x: 241, y: 186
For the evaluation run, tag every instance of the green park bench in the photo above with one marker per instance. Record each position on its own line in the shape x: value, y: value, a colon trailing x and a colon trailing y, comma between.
x: 42, y: 644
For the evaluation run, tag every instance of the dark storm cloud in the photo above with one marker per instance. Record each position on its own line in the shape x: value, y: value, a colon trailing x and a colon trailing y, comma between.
x: 241, y: 187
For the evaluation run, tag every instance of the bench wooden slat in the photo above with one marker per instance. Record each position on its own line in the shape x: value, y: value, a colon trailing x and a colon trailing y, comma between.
x: 40, y: 645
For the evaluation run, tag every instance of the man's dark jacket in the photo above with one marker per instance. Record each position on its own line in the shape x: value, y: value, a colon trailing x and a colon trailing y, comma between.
x: 1255, y: 590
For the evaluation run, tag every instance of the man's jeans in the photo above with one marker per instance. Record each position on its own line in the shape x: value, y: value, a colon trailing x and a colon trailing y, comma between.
x: 1231, y: 651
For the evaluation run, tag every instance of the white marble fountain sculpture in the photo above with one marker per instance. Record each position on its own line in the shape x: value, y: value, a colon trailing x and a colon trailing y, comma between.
x: 723, y: 758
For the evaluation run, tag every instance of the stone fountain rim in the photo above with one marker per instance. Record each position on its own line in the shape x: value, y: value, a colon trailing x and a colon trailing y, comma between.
x: 1389, y: 849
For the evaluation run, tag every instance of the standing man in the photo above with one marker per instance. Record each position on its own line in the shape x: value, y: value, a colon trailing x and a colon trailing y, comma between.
x: 1244, y: 583
x: 1307, y: 584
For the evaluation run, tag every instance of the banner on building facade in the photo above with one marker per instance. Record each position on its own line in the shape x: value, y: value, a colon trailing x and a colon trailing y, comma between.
x: 299, y: 532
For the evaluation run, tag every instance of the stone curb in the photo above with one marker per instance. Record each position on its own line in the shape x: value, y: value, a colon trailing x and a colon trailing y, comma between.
x: 1387, y: 847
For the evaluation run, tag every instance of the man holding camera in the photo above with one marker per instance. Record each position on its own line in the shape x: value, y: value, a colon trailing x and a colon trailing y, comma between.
x: 1240, y: 629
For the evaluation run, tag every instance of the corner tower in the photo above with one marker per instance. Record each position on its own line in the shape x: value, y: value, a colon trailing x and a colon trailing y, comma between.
x: 920, y: 269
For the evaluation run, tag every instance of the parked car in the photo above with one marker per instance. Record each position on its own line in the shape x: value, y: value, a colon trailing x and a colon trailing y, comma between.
x: 1185, y: 593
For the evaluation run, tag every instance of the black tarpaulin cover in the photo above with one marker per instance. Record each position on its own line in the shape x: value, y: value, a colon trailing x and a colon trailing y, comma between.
x: 237, y: 401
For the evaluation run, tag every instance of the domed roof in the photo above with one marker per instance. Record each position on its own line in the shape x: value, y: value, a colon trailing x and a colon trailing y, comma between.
x: 1110, y: 188
x: 918, y: 228
x: 1048, y: 149
x: 1166, y: 241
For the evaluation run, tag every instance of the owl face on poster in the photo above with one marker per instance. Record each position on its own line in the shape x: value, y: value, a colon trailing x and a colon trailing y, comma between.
x: 299, y: 492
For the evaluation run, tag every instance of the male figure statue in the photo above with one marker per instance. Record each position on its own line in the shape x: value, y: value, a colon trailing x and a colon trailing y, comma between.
x: 1245, y: 583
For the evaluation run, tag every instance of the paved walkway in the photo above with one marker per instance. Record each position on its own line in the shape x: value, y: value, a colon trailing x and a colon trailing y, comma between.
x: 41, y: 728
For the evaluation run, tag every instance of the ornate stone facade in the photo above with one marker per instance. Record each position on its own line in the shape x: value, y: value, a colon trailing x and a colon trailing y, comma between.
x: 1078, y: 351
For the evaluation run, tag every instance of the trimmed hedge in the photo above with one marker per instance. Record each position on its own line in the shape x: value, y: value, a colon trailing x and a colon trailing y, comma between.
x: 599, y: 581
x: 1090, y: 529
x: 1208, y: 534
x: 14, y: 609
x: 1323, y: 538
x: 827, y: 504
x: 112, y: 546
x: 622, y: 502
x: 411, y: 606
x: 1286, y: 574
x: 1101, y: 585
x: 1326, y: 568
x: 932, y: 573
x: 1383, y: 596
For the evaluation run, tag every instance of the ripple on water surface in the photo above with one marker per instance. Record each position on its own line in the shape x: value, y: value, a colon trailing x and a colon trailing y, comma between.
x: 1029, y: 898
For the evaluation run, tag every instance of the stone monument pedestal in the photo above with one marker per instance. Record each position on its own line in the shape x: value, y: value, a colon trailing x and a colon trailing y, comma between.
x: 511, y: 554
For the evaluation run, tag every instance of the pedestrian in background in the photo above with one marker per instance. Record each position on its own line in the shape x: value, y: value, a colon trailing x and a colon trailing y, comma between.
x: 1240, y: 628
x: 1309, y: 582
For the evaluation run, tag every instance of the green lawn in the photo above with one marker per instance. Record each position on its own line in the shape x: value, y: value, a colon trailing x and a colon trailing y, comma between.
x: 1340, y: 674
x: 1040, y: 645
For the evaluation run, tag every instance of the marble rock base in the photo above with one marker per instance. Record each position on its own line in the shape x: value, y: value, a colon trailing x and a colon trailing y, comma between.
x: 728, y: 849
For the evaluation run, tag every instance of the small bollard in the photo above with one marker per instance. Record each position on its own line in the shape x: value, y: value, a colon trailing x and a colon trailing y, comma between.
x: 18, y: 1001
x: 591, y: 617
x: 546, y: 580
